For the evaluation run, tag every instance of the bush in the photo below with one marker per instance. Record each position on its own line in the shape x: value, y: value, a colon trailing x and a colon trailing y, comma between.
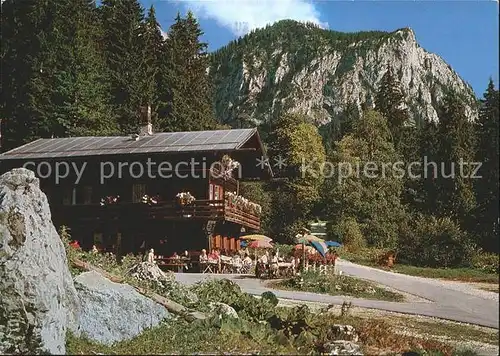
x: 433, y: 242
x: 349, y: 232
x: 487, y: 262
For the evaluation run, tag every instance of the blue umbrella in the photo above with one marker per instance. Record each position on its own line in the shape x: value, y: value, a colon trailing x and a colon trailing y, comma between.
x: 320, y: 246
x: 332, y: 244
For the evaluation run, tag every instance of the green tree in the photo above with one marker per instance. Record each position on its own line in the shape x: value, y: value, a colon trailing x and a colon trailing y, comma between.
x: 342, y: 125
x: 153, y: 50
x: 21, y: 20
x: 486, y: 188
x: 259, y: 193
x: 426, y: 190
x: 366, y: 184
x: 455, y: 194
x: 65, y: 93
x: 297, y: 144
x: 186, y: 92
x: 390, y: 102
x: 123, y: 44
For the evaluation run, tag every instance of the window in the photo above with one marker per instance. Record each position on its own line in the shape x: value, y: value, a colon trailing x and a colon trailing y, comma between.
x: 211, y: 192
x: 138, y: 191
x: 216, y: 194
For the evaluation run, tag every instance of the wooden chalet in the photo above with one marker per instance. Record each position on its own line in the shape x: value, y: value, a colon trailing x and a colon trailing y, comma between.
x: 120, y: 210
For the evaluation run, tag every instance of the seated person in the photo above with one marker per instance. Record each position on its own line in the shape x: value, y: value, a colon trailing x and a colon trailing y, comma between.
x: 203, y: 256
x: 176, y: 256
x: 213, y: 255
x: 237, y: 258
x: 247, y: 260
x: 274, y: 264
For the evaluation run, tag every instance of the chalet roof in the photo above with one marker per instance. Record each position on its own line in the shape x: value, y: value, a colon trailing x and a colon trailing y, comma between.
x: 165, y: 142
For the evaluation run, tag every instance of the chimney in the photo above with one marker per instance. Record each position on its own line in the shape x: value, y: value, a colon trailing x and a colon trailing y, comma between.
x: 146, y: 126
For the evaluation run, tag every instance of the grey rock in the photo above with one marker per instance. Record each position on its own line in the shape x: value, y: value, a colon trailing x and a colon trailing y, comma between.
x: 38, y: 299
x: 113, y: 312
x: 264, y: 79
x: 223, y: 310
x: 342, y: 347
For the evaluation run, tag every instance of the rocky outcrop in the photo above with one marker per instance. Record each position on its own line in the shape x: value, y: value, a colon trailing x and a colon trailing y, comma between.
x: 38, y: 299
x: 299, y: 68
x: 113, y: 312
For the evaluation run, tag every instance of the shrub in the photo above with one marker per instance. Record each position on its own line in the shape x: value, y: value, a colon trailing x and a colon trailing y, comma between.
x: 433, y: 242
x: 349, y: 232
x: 487, y: 262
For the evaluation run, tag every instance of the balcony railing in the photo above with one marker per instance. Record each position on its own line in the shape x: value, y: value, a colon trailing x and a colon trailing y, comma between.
x: 198, y: 210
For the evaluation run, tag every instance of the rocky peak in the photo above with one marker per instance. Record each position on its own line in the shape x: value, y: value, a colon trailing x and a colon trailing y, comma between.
x: 297, y: 67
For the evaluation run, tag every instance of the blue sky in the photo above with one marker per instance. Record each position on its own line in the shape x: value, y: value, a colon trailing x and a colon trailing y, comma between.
x: 463, y: 33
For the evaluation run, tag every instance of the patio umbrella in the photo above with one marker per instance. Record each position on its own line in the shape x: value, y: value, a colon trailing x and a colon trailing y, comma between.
x: 305, y: 239
x: 309, y: 249
x: 256, y: 237
x: 332, y: 244
x: 260, y: 244
x: 320, y: 246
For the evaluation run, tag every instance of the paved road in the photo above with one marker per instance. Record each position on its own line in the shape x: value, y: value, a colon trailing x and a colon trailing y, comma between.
x: 444, y: 301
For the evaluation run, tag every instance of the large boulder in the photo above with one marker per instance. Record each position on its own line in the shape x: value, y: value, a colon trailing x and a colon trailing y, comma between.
x: 113, y: 312
x: 38, y: 300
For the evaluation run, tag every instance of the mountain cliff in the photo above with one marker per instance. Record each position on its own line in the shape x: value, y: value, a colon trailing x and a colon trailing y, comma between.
x: 291, y: 66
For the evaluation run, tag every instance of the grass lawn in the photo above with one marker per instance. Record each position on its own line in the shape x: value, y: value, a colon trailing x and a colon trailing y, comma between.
x: 338, y: 285
x: 457, y: 274
x: 368, y: 257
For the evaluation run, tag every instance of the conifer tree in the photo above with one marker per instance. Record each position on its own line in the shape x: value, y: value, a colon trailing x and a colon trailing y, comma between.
x: 455, y: 195
x: 54, y: 82
x: 390, y: 102
x: 70, y: 96
x: 487, y: 187
x: 122, y: 38
x: 19, y: 49
x: 426, y: 181
x: 186, y: 97
x: 153, y: 47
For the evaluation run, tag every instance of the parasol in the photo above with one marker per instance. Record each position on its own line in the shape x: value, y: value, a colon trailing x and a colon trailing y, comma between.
x: 304, y: 239
x: 309, y: 249
x: 260, y: 244
x: 332, y: 244
x: 256, y: 238
x: 320, y: 246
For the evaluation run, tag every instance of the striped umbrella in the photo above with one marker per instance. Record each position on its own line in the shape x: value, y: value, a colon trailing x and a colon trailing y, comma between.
x: 305, y: 239
x: 320, y: 246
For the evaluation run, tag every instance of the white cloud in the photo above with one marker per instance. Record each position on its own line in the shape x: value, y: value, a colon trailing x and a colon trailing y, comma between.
x: 242, y: 16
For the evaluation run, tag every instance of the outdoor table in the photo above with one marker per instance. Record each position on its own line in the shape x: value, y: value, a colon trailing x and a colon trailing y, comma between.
x: 171, y: 263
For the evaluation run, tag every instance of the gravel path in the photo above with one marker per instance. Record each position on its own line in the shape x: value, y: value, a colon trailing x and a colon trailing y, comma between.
x: 450, y: 301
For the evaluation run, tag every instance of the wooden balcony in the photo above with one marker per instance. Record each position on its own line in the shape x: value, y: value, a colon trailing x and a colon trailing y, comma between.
x: 198, y: 210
